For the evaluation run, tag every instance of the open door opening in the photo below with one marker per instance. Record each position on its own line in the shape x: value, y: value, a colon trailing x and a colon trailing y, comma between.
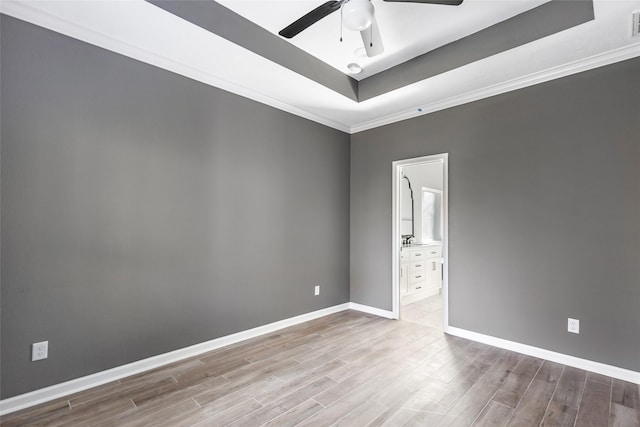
x: 420, y: 240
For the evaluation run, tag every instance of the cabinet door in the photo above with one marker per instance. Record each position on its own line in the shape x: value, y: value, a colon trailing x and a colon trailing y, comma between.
x: 434, y: 273
x: 404, y: 279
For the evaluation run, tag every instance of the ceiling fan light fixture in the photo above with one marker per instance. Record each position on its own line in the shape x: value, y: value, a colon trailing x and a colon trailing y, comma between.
x: 354, y: 68
x: 357, y: 15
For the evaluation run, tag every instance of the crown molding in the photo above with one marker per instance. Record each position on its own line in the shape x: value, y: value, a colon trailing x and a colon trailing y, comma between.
x: 595, y: 61
x: 29, y: 13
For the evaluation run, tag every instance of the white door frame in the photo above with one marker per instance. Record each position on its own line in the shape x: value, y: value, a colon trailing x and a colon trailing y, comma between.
x: 395, y: 232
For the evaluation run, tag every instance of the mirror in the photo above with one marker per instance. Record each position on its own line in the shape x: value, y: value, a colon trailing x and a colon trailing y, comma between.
x: 406, y: 210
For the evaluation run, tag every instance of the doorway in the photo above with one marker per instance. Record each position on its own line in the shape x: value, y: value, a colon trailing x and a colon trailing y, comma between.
x: 420, y: 240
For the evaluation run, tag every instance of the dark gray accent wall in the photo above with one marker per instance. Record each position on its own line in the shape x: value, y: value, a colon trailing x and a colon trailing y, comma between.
x: 144, y: 212
x: 544, y: 212
x: 214, y: 17
x: 542, y: 21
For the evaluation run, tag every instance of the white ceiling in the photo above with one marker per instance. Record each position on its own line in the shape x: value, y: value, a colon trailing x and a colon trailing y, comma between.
x: 142, y: 31
x: 407, y: 29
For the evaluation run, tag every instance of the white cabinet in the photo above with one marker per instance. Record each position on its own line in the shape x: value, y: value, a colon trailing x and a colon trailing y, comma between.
x: 420, y: 272
x: 404, y: 279
x: 434, y: 273
x: 434, y: 267
x: 417, y: 275
x: 404, y: 272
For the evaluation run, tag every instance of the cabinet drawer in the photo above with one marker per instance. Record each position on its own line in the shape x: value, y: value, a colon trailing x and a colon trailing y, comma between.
x: 415, y: 287
x: 416, y: 266
x: 434, y: 251
x: 417, y: 255
x: 417, y: 276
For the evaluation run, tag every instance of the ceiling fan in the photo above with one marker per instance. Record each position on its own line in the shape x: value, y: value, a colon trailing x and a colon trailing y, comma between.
x: 357, y: 15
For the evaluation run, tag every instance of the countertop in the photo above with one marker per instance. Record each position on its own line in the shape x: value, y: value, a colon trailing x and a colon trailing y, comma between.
x: 419, y: 245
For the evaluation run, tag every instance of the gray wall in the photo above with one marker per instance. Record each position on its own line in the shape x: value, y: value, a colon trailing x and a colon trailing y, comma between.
x: 144, y: 212
x: 544, y: 212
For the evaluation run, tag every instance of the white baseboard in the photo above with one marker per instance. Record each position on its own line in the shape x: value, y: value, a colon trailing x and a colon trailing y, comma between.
x: 576, y: 362
x: 56, y: 391
x: 371, y: 310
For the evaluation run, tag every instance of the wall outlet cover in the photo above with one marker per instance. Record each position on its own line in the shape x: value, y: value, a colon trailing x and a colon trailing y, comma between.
x: 317, y: 290
x: 573, y: 326
x: 39, y: 350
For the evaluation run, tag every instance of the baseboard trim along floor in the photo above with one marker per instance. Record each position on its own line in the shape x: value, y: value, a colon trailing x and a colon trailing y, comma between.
x: 371, y: 310
x: 576, y: 362
x: 66, y: 388
x: 56, y: 391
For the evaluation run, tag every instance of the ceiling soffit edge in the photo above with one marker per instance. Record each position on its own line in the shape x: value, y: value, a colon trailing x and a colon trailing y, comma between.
x: 539, y: 22
x: 600, y: 60
x: 219, y: 20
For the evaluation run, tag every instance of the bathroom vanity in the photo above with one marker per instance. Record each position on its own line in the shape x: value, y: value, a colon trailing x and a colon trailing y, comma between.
x: 420, y: 272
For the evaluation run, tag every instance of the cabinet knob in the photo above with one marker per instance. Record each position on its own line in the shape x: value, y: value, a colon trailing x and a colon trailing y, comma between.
x: 417, y: 277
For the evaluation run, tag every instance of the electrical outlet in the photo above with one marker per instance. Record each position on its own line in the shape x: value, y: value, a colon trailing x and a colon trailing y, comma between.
x: 573, y: 326
x: 39, y: 351
x: 635, y: 22
x: 317, y: 290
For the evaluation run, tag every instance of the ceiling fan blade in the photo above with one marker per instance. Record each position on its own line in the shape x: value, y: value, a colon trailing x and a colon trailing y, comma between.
x: 443, y: 2
x: 372, y: 40
x: 311, y: 18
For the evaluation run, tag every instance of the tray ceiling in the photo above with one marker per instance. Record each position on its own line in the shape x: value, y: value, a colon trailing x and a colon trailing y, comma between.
x: 407, y: 29
x: 146, y: 32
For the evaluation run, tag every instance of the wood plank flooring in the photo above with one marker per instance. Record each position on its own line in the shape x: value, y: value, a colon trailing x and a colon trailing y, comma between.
x: 351, y: 369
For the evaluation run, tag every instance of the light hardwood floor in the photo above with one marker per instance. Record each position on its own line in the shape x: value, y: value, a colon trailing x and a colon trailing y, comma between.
x: 351, y: 369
